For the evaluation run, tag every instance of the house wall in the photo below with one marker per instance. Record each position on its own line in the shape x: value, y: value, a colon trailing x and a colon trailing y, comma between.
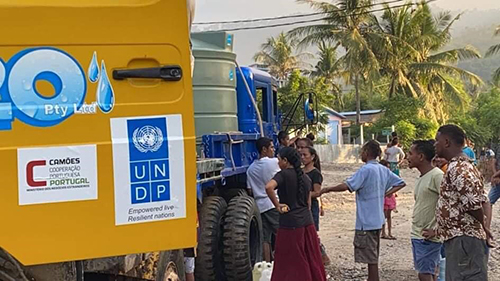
x: 334, y: 130
x: 346, y: 153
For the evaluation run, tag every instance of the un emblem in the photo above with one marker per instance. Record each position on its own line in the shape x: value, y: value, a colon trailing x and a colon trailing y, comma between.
x: 147, y: 139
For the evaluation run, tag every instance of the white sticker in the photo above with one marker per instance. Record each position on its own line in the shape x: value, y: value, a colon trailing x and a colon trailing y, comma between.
x: 57, y: 174
x: 148, y: 160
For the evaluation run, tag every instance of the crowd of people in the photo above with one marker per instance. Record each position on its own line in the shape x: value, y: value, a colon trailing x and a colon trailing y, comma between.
x: 451, y: 215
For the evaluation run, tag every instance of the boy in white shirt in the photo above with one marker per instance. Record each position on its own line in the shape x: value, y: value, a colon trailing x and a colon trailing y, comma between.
x: 259, y: 174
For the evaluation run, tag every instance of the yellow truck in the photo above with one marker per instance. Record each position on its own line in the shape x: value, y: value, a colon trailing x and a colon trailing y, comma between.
x: 112, y: 154
x: 97, y: 136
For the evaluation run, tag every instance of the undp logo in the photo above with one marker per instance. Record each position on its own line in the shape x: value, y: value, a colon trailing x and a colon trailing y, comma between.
x: 148, y: 139
x: 149, y: 162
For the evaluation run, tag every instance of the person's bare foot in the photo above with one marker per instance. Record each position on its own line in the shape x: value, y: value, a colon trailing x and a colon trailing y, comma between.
x: 383, y: 236
x: 390, y: 237
x: 326, y: 260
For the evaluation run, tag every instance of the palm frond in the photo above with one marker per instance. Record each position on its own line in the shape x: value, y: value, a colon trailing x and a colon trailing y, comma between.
x: 454, y: 94
x: 440, y: 69
x: 263, y: 57
x: 493, y: 50
x: 321, y: 6
x: 447, y: 28
x: 452, y: 56
x: 375, y: 24
x: 443, y: 20
x: 314, y: 34
x: 496, y: 77
x: 408, y: 47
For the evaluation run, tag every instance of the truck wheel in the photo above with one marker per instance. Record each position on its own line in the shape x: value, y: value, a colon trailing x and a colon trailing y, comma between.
x: 171, y: 266
x: 242, y: 238
x: 209, y: 265
x: 10, y: 268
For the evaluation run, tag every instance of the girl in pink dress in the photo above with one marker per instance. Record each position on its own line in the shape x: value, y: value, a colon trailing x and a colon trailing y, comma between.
x: 389, y: 206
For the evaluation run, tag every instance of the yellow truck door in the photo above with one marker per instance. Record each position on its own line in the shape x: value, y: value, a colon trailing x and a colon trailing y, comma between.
x: 96, y: 129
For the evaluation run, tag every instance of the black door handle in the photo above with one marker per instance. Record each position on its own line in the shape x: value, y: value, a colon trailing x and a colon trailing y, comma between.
x: 167, y: 73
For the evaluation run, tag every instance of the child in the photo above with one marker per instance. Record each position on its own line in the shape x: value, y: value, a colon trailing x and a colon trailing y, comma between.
x: 389, y: 206
x: 394, y: 155
x: 372, y: 183
x: 297, y: 254
x: 284, y: 140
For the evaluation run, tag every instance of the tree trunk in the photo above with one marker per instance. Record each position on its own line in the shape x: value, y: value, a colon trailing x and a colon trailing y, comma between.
x: 393, y: 87
x: 358, y: 100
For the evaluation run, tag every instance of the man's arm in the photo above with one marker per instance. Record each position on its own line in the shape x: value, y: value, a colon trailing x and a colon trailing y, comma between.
x: 473, y: 198
x: 352, y: 184
x: 403, y: 155
x: 395, y: 189
x: 479, y: 215
x: 338, y: 188
x: 482, y: 215
x: 270, y: 187
x: 496, y: 177
x: 394, y: 183
x: 316, y: 190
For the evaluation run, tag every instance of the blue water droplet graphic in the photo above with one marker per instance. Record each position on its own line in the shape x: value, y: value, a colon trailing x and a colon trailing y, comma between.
x: 105, y: 93
x: 27, y: 85
x: 93, y: 69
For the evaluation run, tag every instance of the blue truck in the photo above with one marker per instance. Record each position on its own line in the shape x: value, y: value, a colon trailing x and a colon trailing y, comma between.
x: 230, y: 227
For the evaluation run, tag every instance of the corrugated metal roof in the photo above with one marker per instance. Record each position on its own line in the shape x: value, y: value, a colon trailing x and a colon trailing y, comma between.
x: 333, y: 112
x: 363, y: 112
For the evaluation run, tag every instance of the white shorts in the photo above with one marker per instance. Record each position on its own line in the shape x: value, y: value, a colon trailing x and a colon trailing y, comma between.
x: 189, y: 265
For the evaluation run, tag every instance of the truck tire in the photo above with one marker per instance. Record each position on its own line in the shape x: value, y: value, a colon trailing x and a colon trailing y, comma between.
x: 209, y: 265
x: 11, y: 269
x: 242, y: 238
x: 171, y: 266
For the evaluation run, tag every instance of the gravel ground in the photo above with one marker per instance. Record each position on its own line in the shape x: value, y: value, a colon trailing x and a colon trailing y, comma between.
x: 396, y: 261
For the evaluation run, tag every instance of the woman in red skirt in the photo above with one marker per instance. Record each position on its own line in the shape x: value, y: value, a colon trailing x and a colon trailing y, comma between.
x: 297, y: 253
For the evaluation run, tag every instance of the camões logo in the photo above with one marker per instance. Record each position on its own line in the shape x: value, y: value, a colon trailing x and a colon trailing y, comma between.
x: 57, y: 174
x: 30, y: 173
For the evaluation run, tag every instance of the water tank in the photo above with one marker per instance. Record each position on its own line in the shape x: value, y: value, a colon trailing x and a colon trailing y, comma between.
x: 214, y: 83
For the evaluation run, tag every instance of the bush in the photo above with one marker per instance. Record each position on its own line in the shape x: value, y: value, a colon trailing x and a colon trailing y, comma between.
x: 425, y: 128
x: 406, y: 132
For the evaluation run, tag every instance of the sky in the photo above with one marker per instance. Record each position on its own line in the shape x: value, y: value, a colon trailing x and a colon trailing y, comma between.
x: 248, y: 42
x: 236, y: 9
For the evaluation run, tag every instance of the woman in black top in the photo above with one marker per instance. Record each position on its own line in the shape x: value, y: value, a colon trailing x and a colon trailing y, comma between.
x: 309, y: 157
x: 297, y: 254
x: 311, y: 161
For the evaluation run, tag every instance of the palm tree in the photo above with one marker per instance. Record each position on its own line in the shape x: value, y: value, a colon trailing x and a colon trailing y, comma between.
x: 278, y: 54
x: 344, y: 23
x: 493, y: 50
x: 408, y: 44
x: 330, y: 69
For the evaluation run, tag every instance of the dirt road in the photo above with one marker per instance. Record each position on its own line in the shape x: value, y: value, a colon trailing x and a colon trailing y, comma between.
x: 396, y: 261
